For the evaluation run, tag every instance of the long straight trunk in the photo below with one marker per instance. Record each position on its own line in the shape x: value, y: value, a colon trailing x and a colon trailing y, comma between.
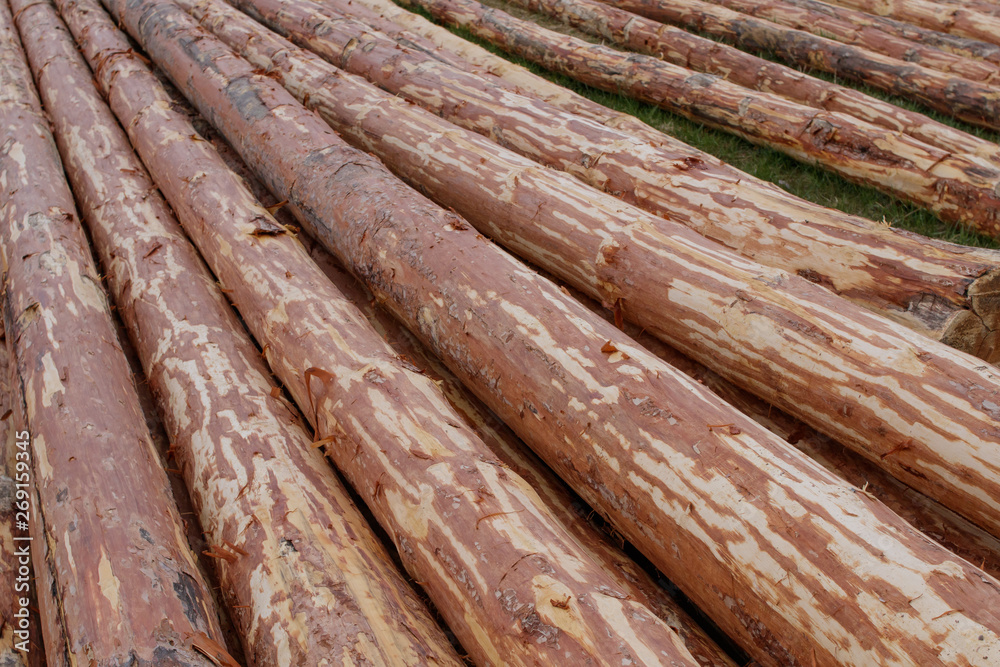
x: 504, y: 573
x: 865, y: 37
x: 129, y: 590
x: 679, y: 47
x: 970, y: 48
x: 971, y: 101
x: 857, y: 150
x: 943, y: 18
x: 672, y: 184
x: 501, y: 441
x: 947, y: 296
x: 783, y: 338
x: 984, y: 6
x: 627, y: 430
x: 516, y: 455
x: 20, y: 628
x: 954, y: 532
x: 171, y: 305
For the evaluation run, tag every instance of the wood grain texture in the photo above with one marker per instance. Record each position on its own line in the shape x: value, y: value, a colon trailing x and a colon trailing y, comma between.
x: 853, y: 148
x: 963, y: 46
x: 971, y: 101
x: 961, y: 307
x: 565, y: 505
x: 631, y: 434
x: 772, y: 329
x: 15, y: 489
x: 127, y: 587
x: 680, y: 47
x: 305, y: 576
x: 935, y: 16
x: 507, y: 577
x: 866, y: 37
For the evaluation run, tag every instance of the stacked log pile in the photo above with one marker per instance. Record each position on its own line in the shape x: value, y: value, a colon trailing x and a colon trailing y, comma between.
x: 455, y: 363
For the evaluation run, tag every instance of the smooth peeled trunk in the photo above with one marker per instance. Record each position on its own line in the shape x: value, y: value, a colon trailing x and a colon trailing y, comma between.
x: 630, y: 433
x: 679, y: 47
x: 944, y: 18
x: 868, y: 38
x: 943, y: 290
x: 282, y: 528
x: 779, y: 336
x: 857, y: 150
x: 971, y: 101
x: 505, y: 575
x: 127, y: 584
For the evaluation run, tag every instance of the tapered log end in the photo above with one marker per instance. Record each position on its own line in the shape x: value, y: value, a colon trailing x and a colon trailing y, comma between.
x: 977, y: 330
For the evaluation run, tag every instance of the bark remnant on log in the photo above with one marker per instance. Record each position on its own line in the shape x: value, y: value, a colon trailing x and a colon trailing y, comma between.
x: 505, y: 574
x: 305, y: 576
x: 114, y: 551
x: 630, y: 433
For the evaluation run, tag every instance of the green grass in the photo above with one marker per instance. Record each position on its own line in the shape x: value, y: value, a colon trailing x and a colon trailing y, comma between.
x: 809, y: 182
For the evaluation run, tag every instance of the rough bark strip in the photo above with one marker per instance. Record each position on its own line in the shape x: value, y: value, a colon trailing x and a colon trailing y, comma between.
x: 777, y: 335
x: 971, y: 101
x: 869, y: 38
x: 128, y: 587
x: 305, y: 576
x: 984, y: 6
x: 679, y: 47
x: 934, y: 16
x: 505, y: 575
x: 480, y: 312
x: 959, y: 276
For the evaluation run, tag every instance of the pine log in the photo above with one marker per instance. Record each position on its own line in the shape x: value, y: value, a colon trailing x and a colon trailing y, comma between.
x: 934, y: 16
x: 634, y: 448
x: 20, y: 632
x: 984, y: 6
x: 505, y: 575
x: 952, y: 531
x: 672, y: 184
x: 603, y: 547
x: 963, y: 46
x: 494, y: 433
x: 129, y: 590
x: 857, y: 150
x: 971, y: 101
x: 679, y: 47
x: 958, y: 311
x: 865, y: 37
x: 281, y: 526
x: 761, y: 328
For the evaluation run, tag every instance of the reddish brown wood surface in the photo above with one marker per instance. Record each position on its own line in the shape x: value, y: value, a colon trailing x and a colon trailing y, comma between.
x: 867, y: 37
x: 855, y: 149
x: 506, y: 576
x: 127, y: 586
x: 677, y: 46
x: 305, y: 576
x: 635, y: 448
x: 971, y: 101
x: 961, y: 278
x: 970, y: 48
x: 935, y: 16
x: 599, y: 244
